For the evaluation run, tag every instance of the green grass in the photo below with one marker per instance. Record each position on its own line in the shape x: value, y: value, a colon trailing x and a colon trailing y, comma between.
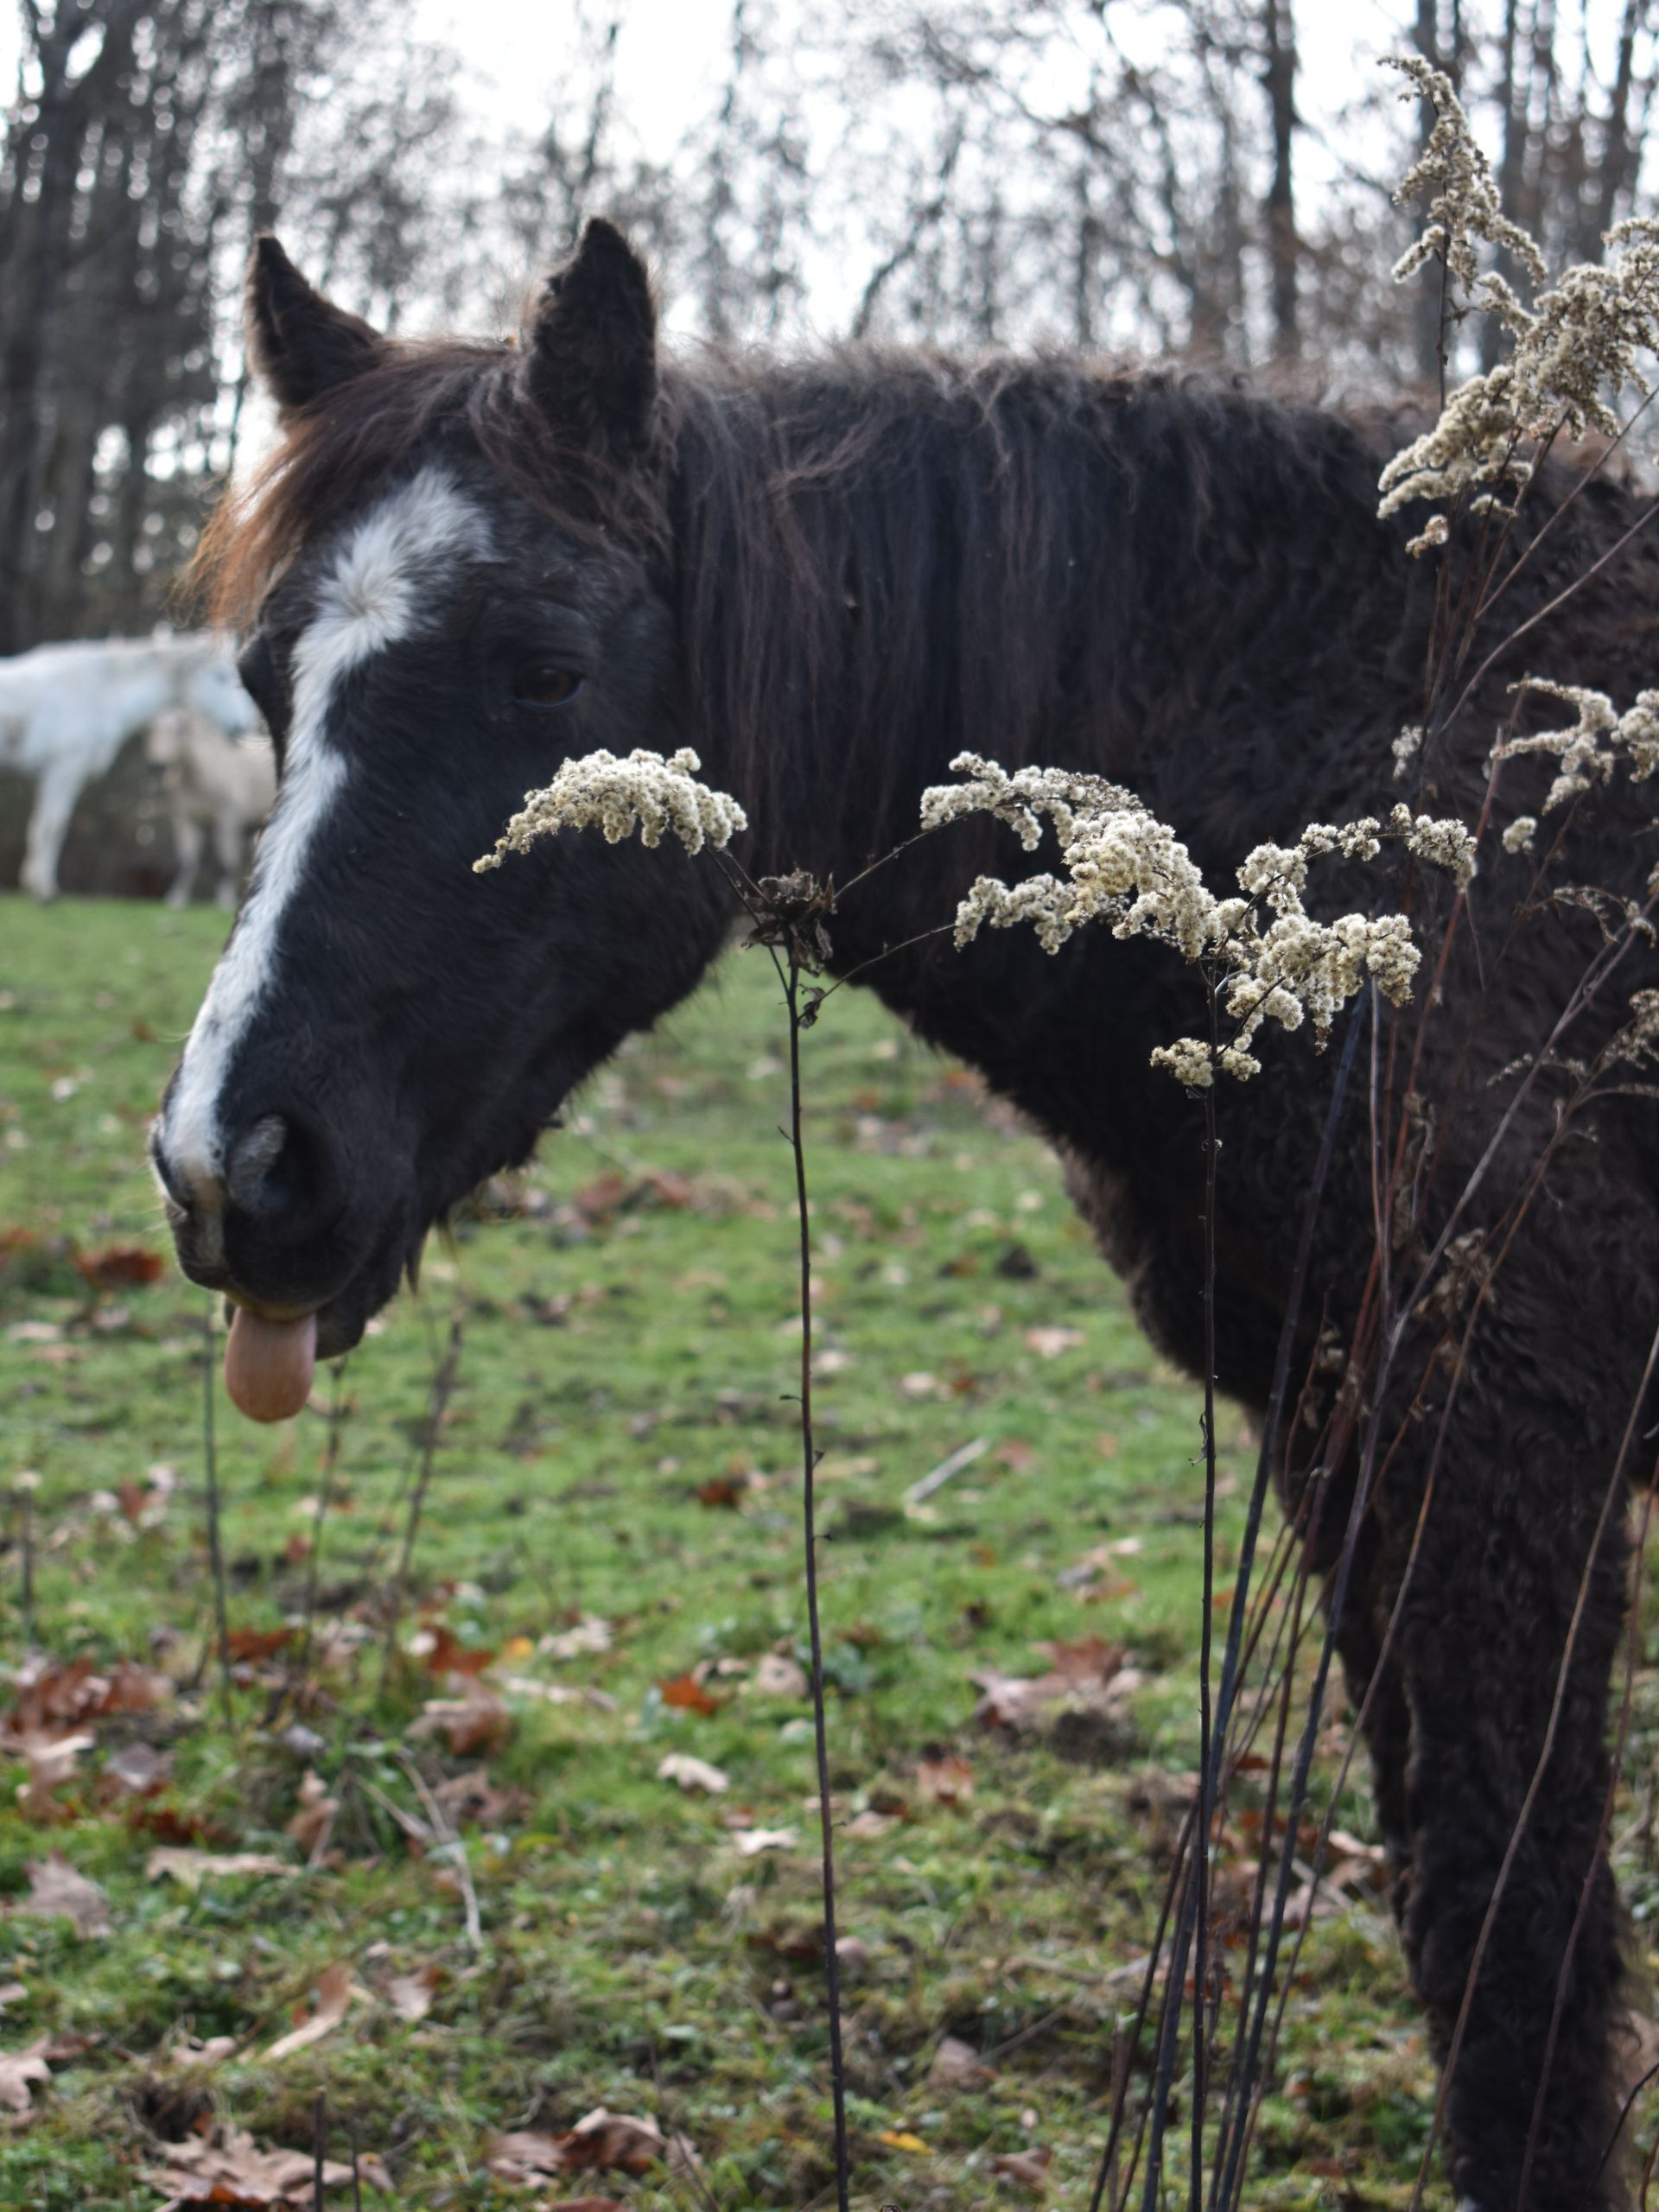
x: 619, y: 1359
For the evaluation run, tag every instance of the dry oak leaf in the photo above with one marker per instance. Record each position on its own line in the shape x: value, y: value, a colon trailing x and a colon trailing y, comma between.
x: 477, y: 1722
x: 410, y: 1995
x: 19, y: 2069
x: 1049, y: 1344
x: 334, y: 1993
x: 1088, y: 1673
x: 947, y: 1781
x: 122, y: 1266
x: 687, y: 1695
x: 313, y: 1825
x: 137, y: 1770
x: 692, y: 1774
x: 256, y: 1643
x: 956, y: 2062
x: 589, y: 1634
x: 57, y: 1892
x: 751, y: 1841
x: 602, y: 2142
x: 233, y: 2171
x: 1025, y: 2168
x: 866, y: 1826
x: 52, y: 1761
x: 779, y: 1675
x: 193, y: 1867
x: 442, y: 1652
x: 557, y: 1693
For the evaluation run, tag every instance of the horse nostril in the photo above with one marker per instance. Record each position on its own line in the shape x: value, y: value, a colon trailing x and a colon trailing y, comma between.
x: 250, y: 1174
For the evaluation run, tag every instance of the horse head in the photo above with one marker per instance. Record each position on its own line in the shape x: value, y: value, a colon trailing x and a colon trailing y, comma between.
x: 212, y: 685
x: 455, y: 558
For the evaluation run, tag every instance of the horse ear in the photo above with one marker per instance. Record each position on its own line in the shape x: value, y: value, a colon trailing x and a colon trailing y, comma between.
x: 591, y: 354
x: 302, y: 345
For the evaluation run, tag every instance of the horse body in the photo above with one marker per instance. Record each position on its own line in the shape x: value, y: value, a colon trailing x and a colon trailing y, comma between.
x: 217, y: 787
x: 67, y: 710
x: 831, y: 578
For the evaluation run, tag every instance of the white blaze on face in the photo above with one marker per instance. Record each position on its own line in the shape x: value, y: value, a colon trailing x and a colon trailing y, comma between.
x: 382, y: 583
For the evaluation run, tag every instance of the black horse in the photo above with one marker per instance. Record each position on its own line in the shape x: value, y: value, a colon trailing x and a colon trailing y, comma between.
x: 467, y: 562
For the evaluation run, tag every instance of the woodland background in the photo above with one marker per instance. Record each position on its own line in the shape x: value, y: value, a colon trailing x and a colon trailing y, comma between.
x: 1163, y: 176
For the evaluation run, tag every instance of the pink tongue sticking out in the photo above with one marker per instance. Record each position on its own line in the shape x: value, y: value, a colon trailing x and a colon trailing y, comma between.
x: 267, y: 1365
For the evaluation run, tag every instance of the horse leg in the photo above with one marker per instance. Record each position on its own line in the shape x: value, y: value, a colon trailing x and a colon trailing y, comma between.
x: 227, y: 850
x: 187, y: 846
x: 48, y: 825
x: 1507, y: 1632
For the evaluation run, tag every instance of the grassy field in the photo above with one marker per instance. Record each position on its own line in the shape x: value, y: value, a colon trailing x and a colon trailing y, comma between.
x: 607, y: 1573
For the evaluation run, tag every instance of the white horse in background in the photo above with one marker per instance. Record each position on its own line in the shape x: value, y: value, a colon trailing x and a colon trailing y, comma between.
x: 65, y: 711
x: 216, y: 784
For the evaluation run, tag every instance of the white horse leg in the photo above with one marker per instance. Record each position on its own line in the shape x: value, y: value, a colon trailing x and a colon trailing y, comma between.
x: 227, y: 848
x: 59, y: 788
x: 186, y: 847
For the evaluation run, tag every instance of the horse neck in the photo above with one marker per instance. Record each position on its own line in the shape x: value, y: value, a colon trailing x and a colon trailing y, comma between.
x: 884, y: 565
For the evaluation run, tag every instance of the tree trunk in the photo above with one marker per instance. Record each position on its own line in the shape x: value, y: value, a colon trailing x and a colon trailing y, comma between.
x: 1279, y: 75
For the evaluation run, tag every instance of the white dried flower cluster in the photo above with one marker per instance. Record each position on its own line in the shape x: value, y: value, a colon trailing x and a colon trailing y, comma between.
x: 1588, y: 751
x: 1442, y: 843
x: 1455, y: 177
x: 1406, y: 746
x: 1126, y: 868
x: 644, y: 792
x: 1580, y: 340
x: 1518, y: 837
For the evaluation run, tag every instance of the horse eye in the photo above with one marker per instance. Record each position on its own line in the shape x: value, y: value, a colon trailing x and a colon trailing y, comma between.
x: 546, y: 685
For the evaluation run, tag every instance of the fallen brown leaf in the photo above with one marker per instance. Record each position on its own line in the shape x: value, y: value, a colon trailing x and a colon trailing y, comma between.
x: 722, y: 1491
x: 692, y: 1774
x: 477, y: 1722
x: 956, y: 2062
x: 232, y: 2170
x: 1026, y: 2168
x: 471, y: 1795
x: 56, y: 1891
x: 442, y: 1652
x: 256, y: 1643
x: 334, y: 1995
x: 947, y: 1781
x: 687, y: 1695
x: 410, y: 1995
x: 603, y: 2142
x: 314, y: 1823
x: 193, y: 1867
x: 1090, y: 1674
x: 779, y: 1675
x: 20, y: 2071
x: 52, y: 1761
x: 55, y: 1700
x: 136, y: 1771
x: 589, y: 1634
x: 121, y: 1267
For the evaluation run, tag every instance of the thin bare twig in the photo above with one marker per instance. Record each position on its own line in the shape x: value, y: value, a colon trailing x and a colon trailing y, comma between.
x: 443, y: 1384
x: 808, y: 1471
x: 210, y: 1475
x: 452, y: 1846
x: 300, y: 1672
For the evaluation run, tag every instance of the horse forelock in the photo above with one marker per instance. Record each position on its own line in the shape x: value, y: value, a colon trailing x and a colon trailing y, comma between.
x: 342, y: 453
